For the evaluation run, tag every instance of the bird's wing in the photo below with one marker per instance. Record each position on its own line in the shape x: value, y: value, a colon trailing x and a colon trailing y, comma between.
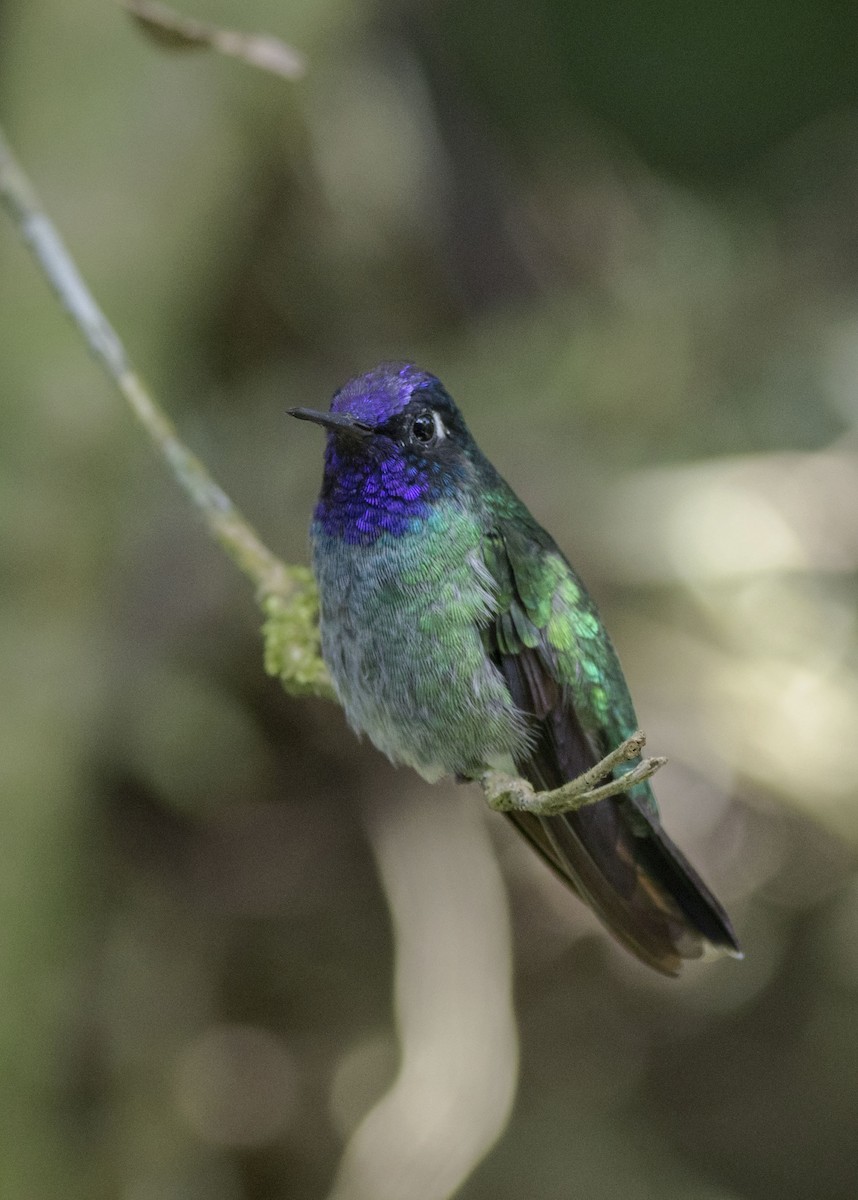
x: 562, y: 671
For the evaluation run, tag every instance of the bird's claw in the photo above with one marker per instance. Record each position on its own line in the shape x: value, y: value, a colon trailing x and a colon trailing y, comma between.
x: 508, y: 793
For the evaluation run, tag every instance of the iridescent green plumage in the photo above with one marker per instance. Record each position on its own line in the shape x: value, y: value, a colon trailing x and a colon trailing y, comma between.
x: 459, y: 638
x: 545, y: 607
x: 562, y: 669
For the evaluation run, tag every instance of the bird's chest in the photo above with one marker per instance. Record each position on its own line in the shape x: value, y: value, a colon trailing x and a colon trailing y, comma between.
x: 401, y: 621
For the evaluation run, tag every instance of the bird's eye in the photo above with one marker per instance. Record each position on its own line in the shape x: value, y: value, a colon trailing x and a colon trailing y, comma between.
x: 427, y: 428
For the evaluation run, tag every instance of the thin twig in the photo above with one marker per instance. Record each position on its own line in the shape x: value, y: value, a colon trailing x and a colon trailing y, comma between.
x: 174, y: 31
x: 286, y: 594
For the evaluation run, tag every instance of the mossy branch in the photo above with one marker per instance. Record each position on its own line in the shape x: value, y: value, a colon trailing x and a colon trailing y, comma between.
x: 286, y: 594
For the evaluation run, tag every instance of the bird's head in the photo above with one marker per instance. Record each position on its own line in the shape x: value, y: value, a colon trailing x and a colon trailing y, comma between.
x: 396, y: 444
x: 396, y: 408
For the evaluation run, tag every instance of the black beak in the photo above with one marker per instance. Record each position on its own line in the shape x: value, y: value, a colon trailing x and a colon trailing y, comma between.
x: 338, y: 422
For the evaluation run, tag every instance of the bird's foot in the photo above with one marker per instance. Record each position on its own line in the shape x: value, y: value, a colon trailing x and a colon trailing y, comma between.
x: 508, y: 793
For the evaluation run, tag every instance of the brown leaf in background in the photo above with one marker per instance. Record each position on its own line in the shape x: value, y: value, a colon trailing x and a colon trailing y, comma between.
x: 175, y: 32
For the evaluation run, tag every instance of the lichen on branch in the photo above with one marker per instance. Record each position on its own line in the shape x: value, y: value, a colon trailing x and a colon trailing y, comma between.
x: 291, y: 635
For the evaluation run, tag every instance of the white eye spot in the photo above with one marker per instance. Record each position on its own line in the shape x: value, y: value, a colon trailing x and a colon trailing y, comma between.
x: 440, y: 427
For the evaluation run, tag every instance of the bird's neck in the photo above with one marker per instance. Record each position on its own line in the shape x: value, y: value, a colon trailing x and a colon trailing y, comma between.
x: 372, y: 495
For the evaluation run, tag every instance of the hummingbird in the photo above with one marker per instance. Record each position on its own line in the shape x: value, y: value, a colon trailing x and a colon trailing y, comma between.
x: 460, y: 640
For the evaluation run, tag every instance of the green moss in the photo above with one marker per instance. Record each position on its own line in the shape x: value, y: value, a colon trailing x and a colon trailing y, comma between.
x: 291, y: 635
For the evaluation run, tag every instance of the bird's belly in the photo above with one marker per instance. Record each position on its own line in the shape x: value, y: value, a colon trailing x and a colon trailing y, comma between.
x: 400, y: 622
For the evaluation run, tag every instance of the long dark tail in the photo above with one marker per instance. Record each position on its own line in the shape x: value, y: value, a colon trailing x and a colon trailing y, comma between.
x: 614, y: 853
x: 636, y: 880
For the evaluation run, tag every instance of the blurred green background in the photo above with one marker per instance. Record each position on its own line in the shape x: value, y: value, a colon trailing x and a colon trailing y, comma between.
x: 626, y: 237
